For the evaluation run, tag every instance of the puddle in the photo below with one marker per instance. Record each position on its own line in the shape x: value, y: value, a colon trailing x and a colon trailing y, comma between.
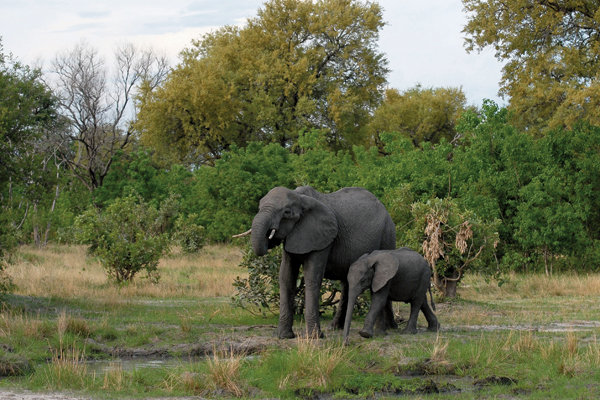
x: 575, y: 326
x: 128, y: 365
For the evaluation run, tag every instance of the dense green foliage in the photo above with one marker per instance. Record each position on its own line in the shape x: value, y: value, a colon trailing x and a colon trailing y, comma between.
x: 541, y: 194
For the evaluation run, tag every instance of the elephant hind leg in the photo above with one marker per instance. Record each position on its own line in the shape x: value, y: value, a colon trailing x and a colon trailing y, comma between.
x: 415, y: 307
x: 432, y: 322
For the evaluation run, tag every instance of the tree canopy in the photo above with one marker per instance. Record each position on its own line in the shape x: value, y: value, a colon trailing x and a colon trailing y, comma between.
x: 297, y: 65
x: 552, y: 54
x: 27, y: 111
x: 27, y: 108
x: 422, y: 115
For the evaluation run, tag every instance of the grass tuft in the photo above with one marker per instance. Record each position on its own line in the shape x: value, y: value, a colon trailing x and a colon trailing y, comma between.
x: 314, y: 364
x: 66, y: 369
x: 224, y: 372
x: 114, y: 377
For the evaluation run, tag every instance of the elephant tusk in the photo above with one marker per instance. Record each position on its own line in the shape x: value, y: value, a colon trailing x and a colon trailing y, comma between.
x: 272, y: 234
x: 243, y: 234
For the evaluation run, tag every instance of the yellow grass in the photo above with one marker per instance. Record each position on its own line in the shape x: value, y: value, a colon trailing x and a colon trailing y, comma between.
x: 530, y: 286
x: 224, y: 373
x: 67, y: 271
x: 15, y: 324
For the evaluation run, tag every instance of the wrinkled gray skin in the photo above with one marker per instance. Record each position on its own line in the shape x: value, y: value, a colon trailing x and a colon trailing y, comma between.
x: 324, y: 233
x: 398, y: 275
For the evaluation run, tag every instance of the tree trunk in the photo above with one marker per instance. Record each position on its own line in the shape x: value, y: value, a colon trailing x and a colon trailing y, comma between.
x: 545, y: 251
x: 36, y: 231
x: 450, y: 291
x: 447, y: 284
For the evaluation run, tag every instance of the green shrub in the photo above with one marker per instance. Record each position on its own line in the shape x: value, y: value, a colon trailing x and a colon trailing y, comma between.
x: 188, y: 234
x: 126, y: 237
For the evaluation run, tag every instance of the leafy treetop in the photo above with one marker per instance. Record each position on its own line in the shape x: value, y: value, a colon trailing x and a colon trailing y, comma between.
x: 552, y: 54
x: 298, y: 64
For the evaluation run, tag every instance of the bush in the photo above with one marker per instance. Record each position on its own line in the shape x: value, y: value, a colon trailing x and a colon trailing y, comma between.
x: 453, y: 240
x: 188, y: 234
x: 126, y: 237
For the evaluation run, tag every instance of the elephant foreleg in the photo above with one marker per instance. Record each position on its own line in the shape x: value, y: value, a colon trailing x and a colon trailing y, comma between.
x: 288, y: 275
x: 314, y: 269
x: 378, y: 303
x: 386, y: 320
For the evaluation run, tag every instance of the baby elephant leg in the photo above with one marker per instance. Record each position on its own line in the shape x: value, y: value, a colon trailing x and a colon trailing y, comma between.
x: 385, y: 319
x: 432, y: 323
x: 378, y: 303
x: 415, y: 307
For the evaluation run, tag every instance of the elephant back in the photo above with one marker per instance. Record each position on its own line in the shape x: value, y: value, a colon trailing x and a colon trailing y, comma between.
x: 364, y: 225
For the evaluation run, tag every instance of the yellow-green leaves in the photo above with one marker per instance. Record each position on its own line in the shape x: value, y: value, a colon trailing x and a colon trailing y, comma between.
x: 552, y: 50
x: 419, y: 114
x: 297, y: 65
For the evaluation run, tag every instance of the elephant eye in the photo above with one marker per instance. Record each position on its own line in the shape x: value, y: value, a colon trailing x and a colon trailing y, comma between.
x: 287, y: 213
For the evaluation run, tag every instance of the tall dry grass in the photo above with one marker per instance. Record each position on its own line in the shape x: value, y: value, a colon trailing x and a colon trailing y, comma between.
x: 519, y: 286
x: 67, y: 271
x: 313, y: 363
x: 224, y: 372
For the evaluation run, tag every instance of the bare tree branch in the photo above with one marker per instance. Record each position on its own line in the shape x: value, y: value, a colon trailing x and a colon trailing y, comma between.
x: 100, y: 108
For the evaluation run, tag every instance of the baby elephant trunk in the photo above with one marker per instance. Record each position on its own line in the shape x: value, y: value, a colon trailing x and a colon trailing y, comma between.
x: 351, y: 301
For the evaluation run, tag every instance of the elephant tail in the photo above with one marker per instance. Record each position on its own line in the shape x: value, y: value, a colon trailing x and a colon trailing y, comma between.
x: 431, y: 298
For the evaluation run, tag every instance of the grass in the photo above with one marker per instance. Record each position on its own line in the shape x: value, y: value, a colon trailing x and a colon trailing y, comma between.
x: 67, y: 272
x: 533, y: 337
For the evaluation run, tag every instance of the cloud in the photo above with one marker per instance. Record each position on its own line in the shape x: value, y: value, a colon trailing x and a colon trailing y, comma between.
x: 422, y: 40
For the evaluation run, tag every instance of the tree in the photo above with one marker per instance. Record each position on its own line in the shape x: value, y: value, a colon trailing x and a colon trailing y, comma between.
x: 27, y: 112
x: 297, y: 65
x: 422, y: 115
x: 552, y: 53
x: 491, y: 164
x: 99, y: 107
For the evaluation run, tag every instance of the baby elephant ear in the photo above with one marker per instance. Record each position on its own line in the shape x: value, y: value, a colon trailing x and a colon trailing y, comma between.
x: 386, y: 267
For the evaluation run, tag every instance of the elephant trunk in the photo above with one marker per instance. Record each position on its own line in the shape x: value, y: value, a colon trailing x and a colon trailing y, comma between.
x: 260, y: 226
x: 352, y: 296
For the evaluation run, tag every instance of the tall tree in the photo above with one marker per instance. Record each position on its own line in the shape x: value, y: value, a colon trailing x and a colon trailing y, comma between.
x: 27, y: 111
x: 298, y: 64
x: 552, y: 53
x: 100, y: 108
x: 422, y: 115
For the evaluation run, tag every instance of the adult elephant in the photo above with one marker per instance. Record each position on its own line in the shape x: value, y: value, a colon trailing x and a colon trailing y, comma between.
x: 325, y: 233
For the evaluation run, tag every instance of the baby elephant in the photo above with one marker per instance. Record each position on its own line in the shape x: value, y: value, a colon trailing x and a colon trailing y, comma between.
x: 399, y: 275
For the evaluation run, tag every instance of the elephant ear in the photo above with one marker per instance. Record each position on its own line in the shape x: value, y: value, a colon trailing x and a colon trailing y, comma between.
x: 315, y: 230
x: 385, y: 268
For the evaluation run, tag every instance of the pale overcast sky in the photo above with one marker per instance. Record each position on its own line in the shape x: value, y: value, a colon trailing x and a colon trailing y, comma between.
x: 422, y: 40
